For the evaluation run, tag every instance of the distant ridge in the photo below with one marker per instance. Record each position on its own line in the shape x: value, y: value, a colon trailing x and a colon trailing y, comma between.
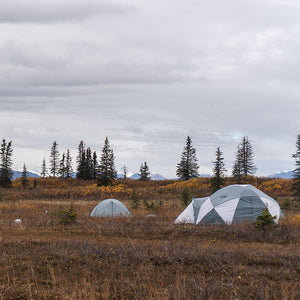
x: 135, y: 176
x: 284, y: 175
x: 17, y: 174
x: 204, y: 175
x: 153, y: 176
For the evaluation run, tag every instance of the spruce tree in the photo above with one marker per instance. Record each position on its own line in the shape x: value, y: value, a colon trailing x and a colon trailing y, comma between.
x: 244, y: 162
x: 94, y: 166
x: 62, y: 167
x: 44, y: 172
x: 237, y: 167
x: 187, y: 168
x: 68, y: 166
x: 88, y: 165
x: 80, y: 160
x: 24, y: 176
x: 125, y: 171
x: 6, y: 172
x: 144, y: 172
x: 54, y: 160
x: 218, y: 171
x: 296, y: 175
x: 106, y: 168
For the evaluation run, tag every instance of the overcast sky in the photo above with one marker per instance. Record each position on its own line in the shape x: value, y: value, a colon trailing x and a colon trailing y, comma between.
x: 147, y: 74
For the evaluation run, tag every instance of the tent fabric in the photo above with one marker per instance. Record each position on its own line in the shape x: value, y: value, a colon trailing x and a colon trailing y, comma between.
x: 231, y: 204
x: 110, y: 208
x: 190, y: 214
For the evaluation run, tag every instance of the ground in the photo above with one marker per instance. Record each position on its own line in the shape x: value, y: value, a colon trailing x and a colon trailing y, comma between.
x: 139, y: 257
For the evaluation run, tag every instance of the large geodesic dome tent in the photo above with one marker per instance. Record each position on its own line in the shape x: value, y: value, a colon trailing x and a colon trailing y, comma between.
x: 231, y: 204
x: 110, y: 208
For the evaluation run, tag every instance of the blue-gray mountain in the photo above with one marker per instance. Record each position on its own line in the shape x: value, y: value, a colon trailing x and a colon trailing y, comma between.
x: 17, y: 174
x: 284, y: 175
x: 136, y: 176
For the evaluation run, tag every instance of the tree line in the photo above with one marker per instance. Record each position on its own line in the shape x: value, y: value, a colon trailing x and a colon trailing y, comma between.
x: 104, y: 171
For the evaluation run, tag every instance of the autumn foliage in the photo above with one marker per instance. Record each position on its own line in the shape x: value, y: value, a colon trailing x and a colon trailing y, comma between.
x: 141, y: 257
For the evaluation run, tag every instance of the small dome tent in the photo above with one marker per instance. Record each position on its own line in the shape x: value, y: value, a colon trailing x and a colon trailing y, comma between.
x: 231, y: 204
x: 110, y: 208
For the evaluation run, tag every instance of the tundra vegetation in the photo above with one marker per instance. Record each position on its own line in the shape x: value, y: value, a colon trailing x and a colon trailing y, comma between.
x: 58, y: 251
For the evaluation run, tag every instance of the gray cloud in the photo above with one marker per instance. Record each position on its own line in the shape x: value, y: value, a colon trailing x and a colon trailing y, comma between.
x: 148, y: 74
x: 28, y: 11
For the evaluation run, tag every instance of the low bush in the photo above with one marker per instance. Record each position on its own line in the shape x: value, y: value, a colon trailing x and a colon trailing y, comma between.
x: 66, y: 217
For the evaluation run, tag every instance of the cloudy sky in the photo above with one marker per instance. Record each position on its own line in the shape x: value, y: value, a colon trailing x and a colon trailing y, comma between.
x: 147, y: 74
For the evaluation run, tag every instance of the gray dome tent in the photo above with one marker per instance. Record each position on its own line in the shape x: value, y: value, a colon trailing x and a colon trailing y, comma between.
x: 110, y: 208
x: 228, y: 205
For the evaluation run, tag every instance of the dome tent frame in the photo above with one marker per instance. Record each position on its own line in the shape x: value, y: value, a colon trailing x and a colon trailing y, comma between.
x: 110, y: 208
x: 232, y: 204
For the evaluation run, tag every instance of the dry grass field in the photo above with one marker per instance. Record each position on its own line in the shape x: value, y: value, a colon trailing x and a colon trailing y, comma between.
x: 139, y: 257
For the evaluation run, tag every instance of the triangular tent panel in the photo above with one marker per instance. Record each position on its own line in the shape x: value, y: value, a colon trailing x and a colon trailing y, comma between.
x: 206, y: 207
x: 273, y: 208
x: 189, y: 215
x: 110, y: 208
x: 197, y: 203
x: 234, y: 203
x: 212, y: 218
x: 227, y: 209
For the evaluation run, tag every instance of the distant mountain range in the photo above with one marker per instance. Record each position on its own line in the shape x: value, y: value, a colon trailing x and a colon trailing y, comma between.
x: 156, y: 176
x: 284, y: 175
x: 136, y: 176
x: 17, y: 174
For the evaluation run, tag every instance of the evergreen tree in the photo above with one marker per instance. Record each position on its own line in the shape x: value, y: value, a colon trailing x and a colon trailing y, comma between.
x: 188, y: 167
x: 244, y: 164
x: 62, y: 167
x: 6, y: 172
x: 237, y: 167
x: 24, y: 176
x: 68, y: 166
x: 135, y: 201
x: 80, y: 160
x: 296, y: 175
x: 265, y: 220
x: 106, y: 168
x: 125, y: 171
x: 54, y: 160
x: 88, y: 165
x: 44, y: 172
x: 219, y: 171
x: 94, y: 166
x: 144, y: 172
x: 186, y: 196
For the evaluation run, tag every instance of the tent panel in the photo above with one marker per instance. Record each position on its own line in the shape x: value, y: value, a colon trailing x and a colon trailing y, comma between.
x: 104, y: 210
x: 227, y: 209
x: 273, y: 208
x: 212, y: 218
x: 260, y: 193
x: 227, y: 193
x: 248, y: 208
x: 110, y: 208
x: 248, y: 192
x: 197, y: 203
x: 187, y: 216
x: 119, y: 210
x: 205, y: 208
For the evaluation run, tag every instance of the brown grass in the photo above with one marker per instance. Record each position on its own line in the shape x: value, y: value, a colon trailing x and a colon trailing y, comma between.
x: 142, y: 258
x: 139, y: 257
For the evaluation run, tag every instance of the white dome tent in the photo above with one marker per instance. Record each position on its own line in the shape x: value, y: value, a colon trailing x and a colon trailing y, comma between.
x: 110, y: 208
x: 231, y: 204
